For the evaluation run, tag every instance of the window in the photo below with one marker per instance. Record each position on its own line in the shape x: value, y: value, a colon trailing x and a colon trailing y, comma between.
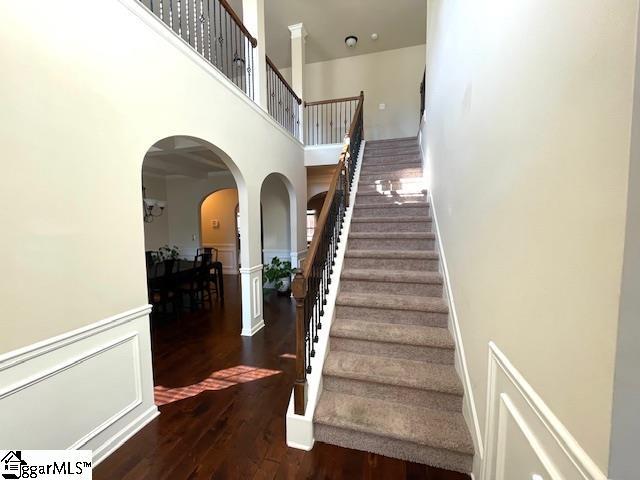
x: 311, y: 224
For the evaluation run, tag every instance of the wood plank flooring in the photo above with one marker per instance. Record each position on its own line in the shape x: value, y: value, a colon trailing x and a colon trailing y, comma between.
x: 234, y: 428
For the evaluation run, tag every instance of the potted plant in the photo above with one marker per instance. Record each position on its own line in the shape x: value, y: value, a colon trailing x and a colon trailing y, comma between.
x: 168, y: 253
x: 277, y: 275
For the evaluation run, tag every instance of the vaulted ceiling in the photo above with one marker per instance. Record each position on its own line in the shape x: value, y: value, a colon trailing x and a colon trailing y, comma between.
x: 398, y: 23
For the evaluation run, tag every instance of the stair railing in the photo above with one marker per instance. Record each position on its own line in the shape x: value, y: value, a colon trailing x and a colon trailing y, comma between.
x: 215, y: 31
x: 282, y: 102
x: 422, y: 93
x: 311, y: 283
x: 328, y: 121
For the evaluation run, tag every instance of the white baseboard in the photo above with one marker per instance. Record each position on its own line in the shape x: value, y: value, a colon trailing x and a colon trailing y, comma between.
x: 91, y: 388
x: 522, y: 436
x: 469, y: 405
x: 300, y: 427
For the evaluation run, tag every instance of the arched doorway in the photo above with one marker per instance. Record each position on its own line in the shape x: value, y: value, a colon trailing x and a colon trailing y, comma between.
x: 314, y: 207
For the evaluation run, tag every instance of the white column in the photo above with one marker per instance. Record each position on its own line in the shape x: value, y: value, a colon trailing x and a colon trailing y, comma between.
x: 251, y: 258
x: 298, y: 57
x: 253, y: 19
x: 298, y: 61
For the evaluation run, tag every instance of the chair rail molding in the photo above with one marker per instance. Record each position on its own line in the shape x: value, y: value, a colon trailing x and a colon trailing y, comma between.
x: 512, y: 401
x: 97, y: 380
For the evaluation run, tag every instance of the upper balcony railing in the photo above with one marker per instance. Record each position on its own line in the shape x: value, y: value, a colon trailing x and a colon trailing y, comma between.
x: 214, y: 30
x: 282, y: 102
x: 328, y: 121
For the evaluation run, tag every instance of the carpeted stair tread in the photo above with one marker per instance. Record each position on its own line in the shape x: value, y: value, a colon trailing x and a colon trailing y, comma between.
x: 410, y: 203
x: 393, y: 302
x: 393, y: 193
x: 392, y: 235
x: 398, y: 254
x: 393, y: 219
x: 401, y: 276
x: 394, y: 371
x: 418, y: 335
x: 433, y: 428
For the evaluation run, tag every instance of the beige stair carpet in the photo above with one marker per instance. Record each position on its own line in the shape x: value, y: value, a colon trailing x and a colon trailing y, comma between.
x: 389, y: 382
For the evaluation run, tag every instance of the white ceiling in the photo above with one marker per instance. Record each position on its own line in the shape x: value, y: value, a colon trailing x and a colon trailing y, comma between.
x: 398, y: 23
x: 183, y: 157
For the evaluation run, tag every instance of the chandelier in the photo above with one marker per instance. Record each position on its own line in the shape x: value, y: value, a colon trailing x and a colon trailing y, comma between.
x: 152, y: 208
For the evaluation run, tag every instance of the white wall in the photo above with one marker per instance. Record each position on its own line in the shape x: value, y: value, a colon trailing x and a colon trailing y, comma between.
x: 79, y: 112
x: 318, y: 180
x: 527, y: 153
x: 623, y: 460
x: 391, y: 77
x: 156, y: 233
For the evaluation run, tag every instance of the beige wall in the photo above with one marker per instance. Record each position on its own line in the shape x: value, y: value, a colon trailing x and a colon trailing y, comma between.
x: 318, y: 179
x: 527, y: 154
x: 221, y: 206
x: 391, y: 77
x: 79, y: 139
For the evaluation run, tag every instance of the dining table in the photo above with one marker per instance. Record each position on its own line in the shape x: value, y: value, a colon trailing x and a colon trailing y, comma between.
x: 183, y: 268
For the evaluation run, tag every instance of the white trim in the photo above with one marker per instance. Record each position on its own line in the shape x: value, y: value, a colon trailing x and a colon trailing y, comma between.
x: 149, y: 18
x: 15, y: 357
x: 56, y: 365
x: 106, y: 449
x: 253, y: 330
x: 300, y: 427
x: 471, y: 414
x: 323, y: 146
x: 255, y: 268
x: 570, y: 448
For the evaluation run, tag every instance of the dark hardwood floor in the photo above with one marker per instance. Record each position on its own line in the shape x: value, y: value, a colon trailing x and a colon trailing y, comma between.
x: 229, y: 420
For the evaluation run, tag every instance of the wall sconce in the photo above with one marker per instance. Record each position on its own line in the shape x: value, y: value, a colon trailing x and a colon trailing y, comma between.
x: 152, y: 208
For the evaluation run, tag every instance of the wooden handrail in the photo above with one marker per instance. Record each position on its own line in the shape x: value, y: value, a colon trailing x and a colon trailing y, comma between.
x: 333, y: 100
x: 283, y: 80
x: 322, y: 219
x: 238, y: 21
x: 356, y: 116
x: 310, y: 287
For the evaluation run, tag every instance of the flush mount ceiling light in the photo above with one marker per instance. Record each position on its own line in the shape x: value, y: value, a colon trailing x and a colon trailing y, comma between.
x: 351, y: 41
x: 374, y: 36
x: 238, y: 61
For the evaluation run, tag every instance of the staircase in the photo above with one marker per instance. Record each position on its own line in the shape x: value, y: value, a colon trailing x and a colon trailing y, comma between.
x: 389, y: 384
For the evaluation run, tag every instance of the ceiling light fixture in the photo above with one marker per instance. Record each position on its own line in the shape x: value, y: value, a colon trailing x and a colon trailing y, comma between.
x: 351, y: 41
x: 374, y: 36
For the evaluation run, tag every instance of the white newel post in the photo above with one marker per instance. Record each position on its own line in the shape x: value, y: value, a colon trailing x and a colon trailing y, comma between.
x: 253, y: 19
x: 298, y: 61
